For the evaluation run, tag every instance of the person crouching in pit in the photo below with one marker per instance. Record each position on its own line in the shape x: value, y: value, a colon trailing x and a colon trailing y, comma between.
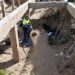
x: 26, y: 26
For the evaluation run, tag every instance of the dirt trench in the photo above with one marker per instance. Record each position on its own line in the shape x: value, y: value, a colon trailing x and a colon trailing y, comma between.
x: 42, y: 61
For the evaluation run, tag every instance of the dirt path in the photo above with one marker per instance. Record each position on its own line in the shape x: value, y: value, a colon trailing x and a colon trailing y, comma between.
x: 42, y: 61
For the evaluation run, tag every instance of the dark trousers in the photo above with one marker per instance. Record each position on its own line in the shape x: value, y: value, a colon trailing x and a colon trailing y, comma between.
x: 26, y: 30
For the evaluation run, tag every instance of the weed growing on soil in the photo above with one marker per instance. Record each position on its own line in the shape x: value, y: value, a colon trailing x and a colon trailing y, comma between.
x: 2, y: 72
x: 33, y: 73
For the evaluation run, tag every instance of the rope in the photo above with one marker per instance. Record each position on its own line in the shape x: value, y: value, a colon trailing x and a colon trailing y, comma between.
x: 24, y: 51
x: 58, y: 28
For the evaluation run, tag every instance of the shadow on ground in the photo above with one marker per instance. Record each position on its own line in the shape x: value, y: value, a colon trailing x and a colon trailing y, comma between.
x: 7, y: 64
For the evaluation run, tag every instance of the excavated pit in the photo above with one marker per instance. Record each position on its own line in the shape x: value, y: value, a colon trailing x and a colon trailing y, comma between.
x: 43, y: 60
x: 55, y: 19
x: 62, y: 42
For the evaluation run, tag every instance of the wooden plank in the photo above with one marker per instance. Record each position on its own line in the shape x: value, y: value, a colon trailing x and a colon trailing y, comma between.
x: 13, y: 5
x: 3, y: 8
x: 19, y: 2
x: 10, y: 21
x: 37, y: 5
x: 14, y: 43
x: 71, y: 8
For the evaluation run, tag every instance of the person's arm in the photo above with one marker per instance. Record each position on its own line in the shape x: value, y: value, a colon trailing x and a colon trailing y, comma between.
x: 30, y: 24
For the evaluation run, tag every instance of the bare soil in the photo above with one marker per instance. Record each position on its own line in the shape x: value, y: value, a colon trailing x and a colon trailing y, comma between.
x: 41, y: 59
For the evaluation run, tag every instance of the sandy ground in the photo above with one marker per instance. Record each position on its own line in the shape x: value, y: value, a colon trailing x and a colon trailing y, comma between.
x: 41, y: 59
x: 9, y: 65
